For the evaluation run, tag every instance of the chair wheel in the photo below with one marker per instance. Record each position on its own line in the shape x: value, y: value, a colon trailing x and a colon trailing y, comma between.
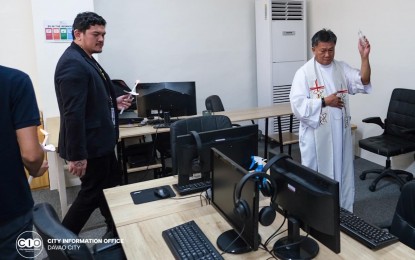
x: 362, y: 177
x: 409, y: 178
x: 372, y: 188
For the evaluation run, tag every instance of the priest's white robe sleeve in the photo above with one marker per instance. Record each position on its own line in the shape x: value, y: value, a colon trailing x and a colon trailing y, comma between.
x: 306, y: 109
x: 354, y: 80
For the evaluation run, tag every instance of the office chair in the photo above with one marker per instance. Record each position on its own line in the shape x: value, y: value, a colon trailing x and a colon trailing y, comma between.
x: 214, y: 104
x: 398, y: 136
x: 198, y: 124
x: 403, y: 223
x: 49, y: 227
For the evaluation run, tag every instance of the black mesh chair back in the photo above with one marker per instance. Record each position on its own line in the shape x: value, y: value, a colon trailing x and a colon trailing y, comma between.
x: 214, y: 104
x: 63, y: 245
x: 400, y: 120
x: 398, y: 136
x: 49, y: 227
x: 198, y: 124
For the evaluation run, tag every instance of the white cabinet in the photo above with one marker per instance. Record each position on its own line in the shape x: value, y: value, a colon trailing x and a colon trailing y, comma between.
x: 281, y: 44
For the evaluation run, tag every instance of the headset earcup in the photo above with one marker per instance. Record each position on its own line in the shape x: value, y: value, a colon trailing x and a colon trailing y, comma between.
x: 242, y: 210
x: 266, y: 188
x: 267, y: 216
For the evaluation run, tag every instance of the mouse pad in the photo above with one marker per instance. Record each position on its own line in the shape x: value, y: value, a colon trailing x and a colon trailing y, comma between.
x: 147, y: 195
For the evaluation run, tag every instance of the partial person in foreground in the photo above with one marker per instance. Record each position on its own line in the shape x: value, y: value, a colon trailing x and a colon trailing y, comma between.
x: 19, y: 149
x: 320, y: 100
x: 89, y: 121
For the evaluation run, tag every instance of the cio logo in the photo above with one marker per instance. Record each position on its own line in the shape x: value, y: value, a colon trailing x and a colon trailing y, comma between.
x: 29, y: 244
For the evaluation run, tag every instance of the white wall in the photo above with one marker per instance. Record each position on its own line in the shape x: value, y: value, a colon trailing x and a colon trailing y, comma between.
x: 210, y: 42
x: 16, y: 47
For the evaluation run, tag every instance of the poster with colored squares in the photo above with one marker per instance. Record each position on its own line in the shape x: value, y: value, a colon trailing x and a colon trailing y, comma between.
x: 58, y: 31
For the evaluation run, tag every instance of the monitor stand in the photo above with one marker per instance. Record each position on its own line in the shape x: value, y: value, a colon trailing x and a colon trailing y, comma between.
x: 295, y: 246
x: 231, y: 242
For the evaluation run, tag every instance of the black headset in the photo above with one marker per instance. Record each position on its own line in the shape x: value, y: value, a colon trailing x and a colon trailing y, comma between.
x: 196, y: 162
x: 268, y: 188
x: 275, y: 159
x: 241, y: 209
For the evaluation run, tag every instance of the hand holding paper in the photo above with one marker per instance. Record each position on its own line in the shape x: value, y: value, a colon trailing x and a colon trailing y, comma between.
x: 131, y: 93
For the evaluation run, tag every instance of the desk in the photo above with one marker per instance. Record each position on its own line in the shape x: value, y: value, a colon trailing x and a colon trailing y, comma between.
x: 140, y: 227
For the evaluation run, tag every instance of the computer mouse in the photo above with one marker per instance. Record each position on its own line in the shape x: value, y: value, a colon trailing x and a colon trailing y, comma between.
x: 162, y: 192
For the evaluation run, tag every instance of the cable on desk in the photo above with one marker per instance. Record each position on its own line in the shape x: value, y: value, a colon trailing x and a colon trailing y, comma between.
x: 294, y: 243
x: 276, y: 232
x: 182, y: 198
x: 263, y: 247
x: 231, y: 243
x: 192, y: 196
x: 207, y: 200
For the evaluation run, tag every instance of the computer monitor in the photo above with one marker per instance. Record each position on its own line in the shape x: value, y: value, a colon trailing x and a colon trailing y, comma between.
x: 194, y: 163
x: 177, y: 98
x: 227, y: 173
x: 310, y: 201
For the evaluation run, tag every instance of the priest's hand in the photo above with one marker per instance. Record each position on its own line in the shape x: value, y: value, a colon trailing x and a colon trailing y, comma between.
x: 334, y: 101
x: 364, y: 48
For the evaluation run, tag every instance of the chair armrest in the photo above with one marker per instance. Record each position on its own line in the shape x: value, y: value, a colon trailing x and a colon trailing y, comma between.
x: 374, y: 120
x: 97, y: 248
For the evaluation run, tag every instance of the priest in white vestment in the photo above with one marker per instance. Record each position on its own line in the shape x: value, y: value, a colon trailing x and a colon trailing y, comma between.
x: 320, y: 100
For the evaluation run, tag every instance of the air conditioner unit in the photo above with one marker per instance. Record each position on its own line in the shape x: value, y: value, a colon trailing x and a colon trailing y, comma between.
x: 281, y: 45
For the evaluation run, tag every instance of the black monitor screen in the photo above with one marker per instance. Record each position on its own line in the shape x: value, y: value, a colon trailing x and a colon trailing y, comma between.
x: 177, y: 98
x: 243, y: 139
x: 311, y: 201
x: 226, y: 175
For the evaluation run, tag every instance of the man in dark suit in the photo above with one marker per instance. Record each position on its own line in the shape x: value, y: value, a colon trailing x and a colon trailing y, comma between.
x: 88, y: 114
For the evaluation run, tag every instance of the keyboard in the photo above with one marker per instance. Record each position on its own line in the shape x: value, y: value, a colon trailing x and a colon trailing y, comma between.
x: 129, y: 117
x: 365, y: 233
x: 160, y: 121
x: 163, y: 125
x: 187, y: 241
x: 192, y: 187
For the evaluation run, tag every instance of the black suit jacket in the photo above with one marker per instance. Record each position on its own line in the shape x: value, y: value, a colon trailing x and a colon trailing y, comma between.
x: 83, y: 90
